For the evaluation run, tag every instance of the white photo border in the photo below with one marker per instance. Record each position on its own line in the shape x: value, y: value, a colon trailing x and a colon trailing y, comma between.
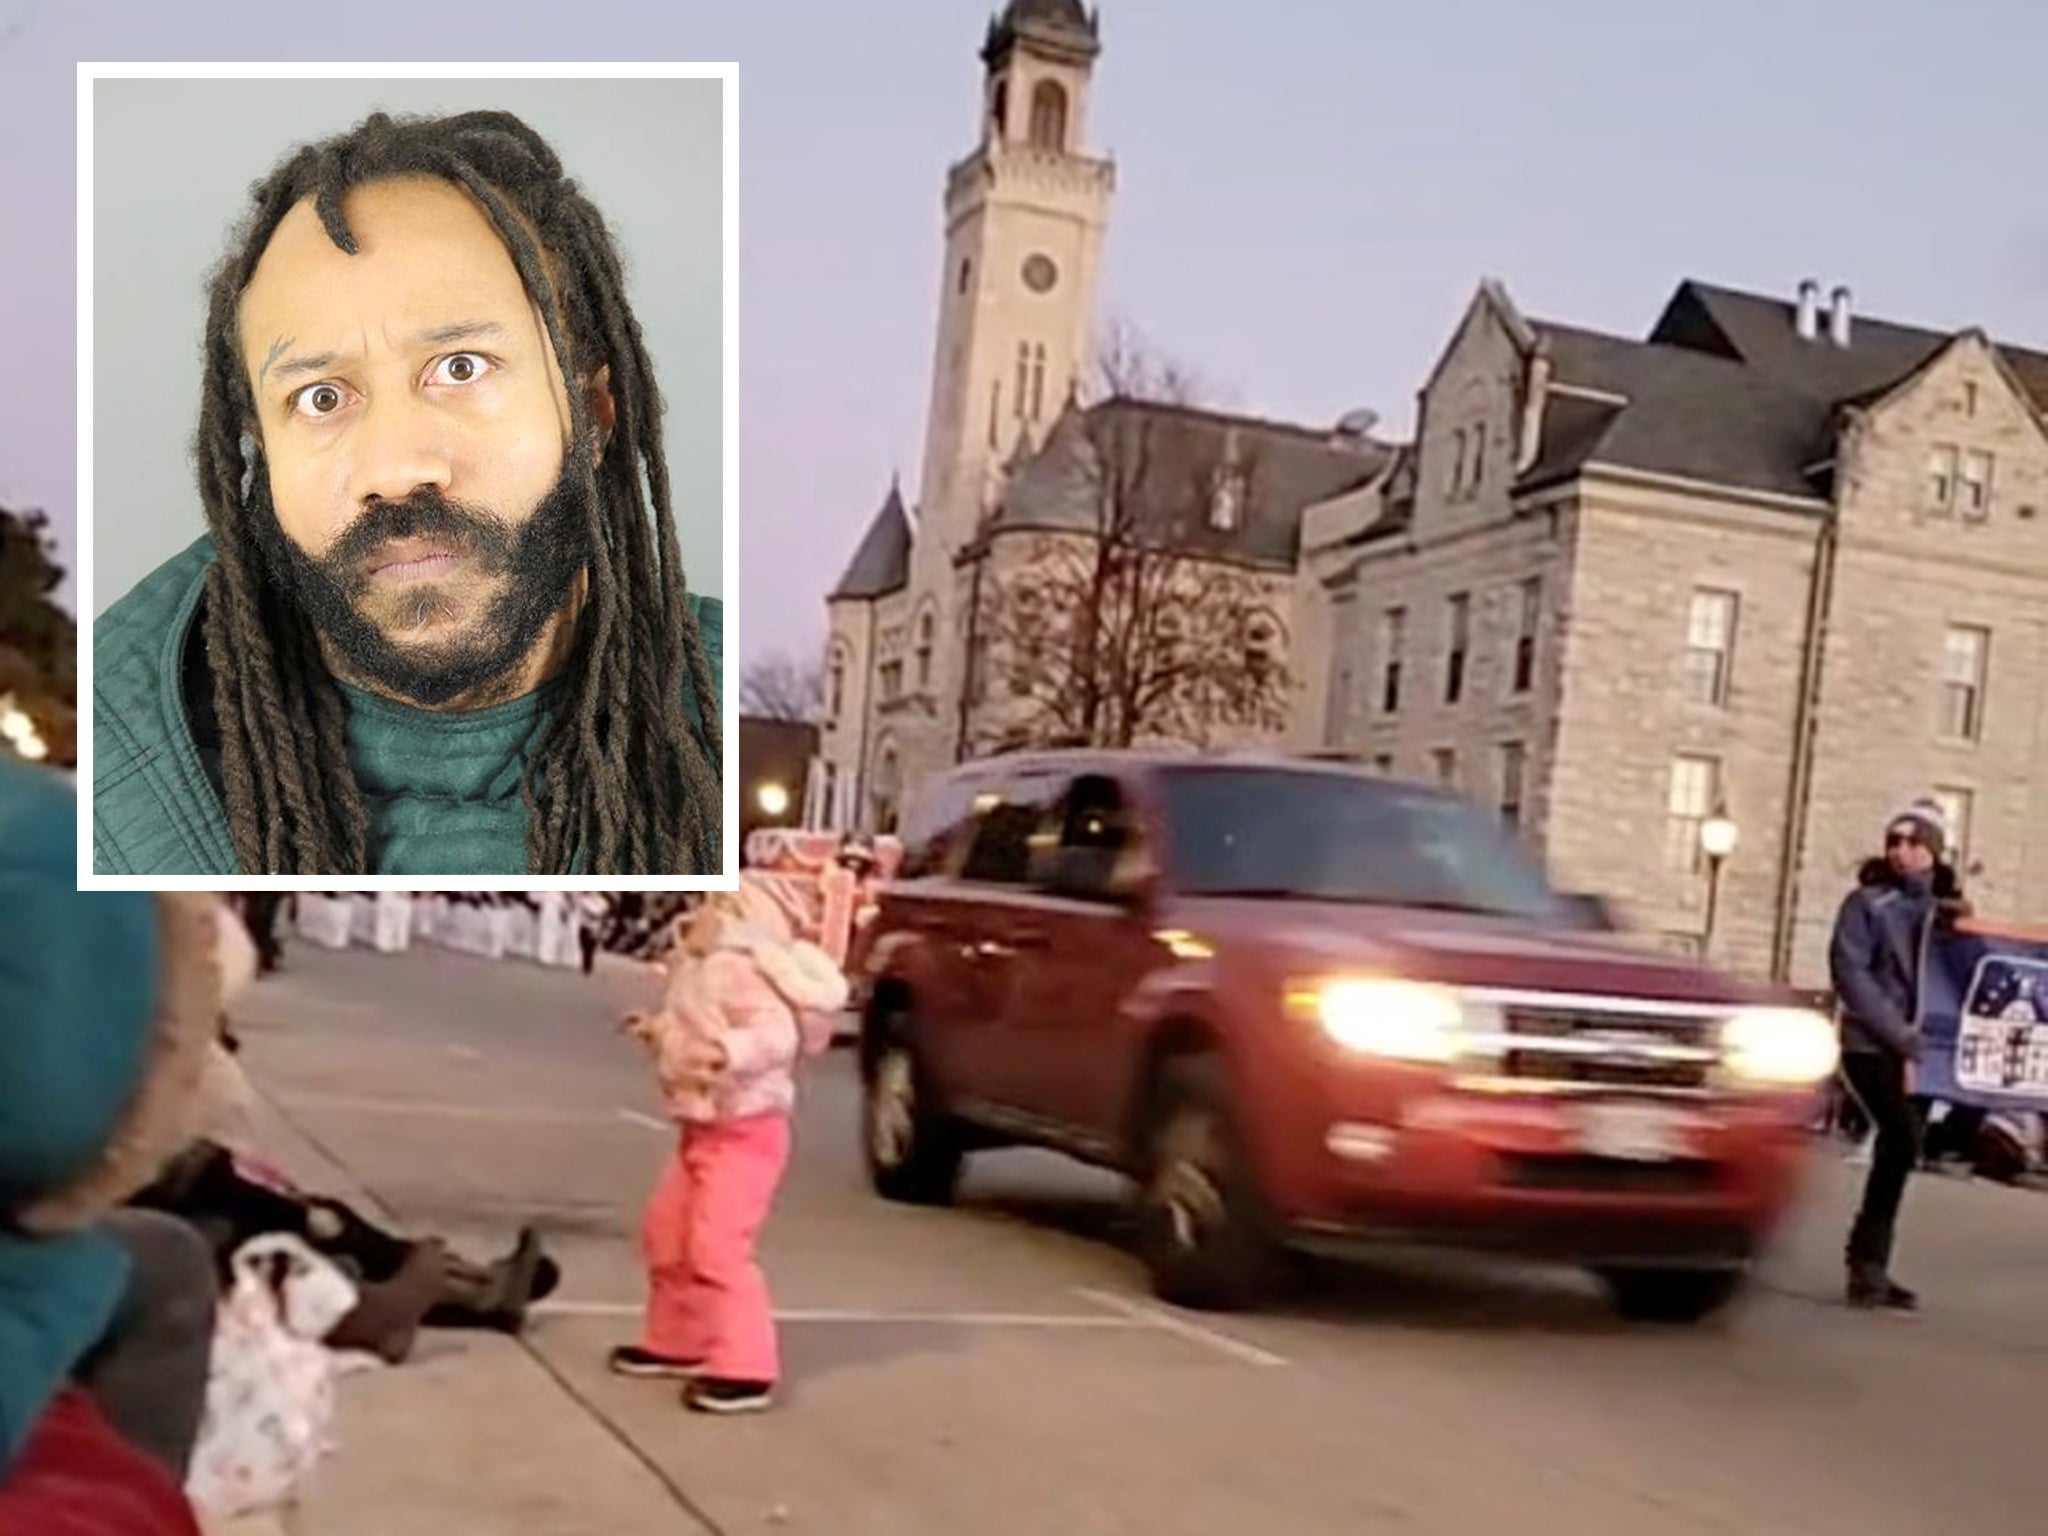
x: 89, y: 73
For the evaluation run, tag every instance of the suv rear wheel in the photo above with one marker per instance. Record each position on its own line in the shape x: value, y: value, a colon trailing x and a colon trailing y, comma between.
x: 914, y: 1150
x: 1672, y: 1295
x: 1201, y: 1226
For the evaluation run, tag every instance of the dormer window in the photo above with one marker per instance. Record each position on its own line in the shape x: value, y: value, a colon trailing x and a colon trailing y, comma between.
x: 1226, y: 499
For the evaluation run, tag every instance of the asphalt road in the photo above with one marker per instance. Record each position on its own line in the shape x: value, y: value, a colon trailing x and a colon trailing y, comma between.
x: 999, y: 1367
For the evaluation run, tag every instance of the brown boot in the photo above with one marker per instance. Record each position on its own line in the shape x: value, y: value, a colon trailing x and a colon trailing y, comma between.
x: 387, y: 1314
x: 496, y: 1296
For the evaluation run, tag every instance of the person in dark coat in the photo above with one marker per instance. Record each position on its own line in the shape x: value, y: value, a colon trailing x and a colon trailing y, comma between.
x: 1875, y: 962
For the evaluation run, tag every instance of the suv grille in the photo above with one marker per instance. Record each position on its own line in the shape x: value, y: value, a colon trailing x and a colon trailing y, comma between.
x: 1554, y: 1045
x: 1606, y: 1176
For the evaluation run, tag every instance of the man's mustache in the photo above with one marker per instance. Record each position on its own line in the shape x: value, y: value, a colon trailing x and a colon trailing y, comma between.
x: 467, y: 531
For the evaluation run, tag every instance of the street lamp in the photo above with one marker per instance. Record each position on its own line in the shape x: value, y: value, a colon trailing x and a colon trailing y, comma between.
x: 1718, y: 836
x: 772, y: 798
x: 20, y: 731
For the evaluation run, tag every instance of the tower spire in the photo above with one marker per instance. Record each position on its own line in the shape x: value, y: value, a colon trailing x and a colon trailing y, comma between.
x: 1061, y: 29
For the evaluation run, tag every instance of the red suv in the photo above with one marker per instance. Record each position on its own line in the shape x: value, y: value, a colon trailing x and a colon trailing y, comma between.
x: 1306, y: 1008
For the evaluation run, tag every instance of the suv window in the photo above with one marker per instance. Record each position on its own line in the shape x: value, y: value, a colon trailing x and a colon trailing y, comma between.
x: 1001, y: 851
x: 1094, y: 831
x: 1270, y: 832
x: 939, y: 822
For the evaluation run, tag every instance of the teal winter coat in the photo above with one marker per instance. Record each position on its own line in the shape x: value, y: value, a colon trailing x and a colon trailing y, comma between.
x: 78, y: 1004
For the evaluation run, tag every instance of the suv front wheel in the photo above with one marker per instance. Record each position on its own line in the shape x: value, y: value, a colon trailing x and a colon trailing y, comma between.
x: 1672, y: 1295
x: 914, y: 1150
x: 1201, y: 1226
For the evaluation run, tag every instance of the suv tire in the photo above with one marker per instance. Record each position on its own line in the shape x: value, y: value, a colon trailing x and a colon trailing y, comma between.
x: 1202, y: 1228
x: 1672, y: 1295
x: 914, y: 1151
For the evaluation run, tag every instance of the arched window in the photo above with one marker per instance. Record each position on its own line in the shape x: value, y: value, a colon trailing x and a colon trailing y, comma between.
x: 888, y: 785
x: 1049, y: 115
x: 999, y: 110
x: 835, y: 697
x: 1038, y: 382
x: 924, y: 651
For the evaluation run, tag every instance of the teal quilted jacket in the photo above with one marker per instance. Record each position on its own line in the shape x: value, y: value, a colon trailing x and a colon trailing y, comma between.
x: 156, y: 806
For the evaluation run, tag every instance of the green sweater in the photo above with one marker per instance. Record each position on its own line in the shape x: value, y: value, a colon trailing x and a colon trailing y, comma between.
x: 443, y: 789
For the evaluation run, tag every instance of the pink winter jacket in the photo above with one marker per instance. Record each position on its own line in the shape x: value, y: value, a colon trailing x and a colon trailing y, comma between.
x: 768, y: 1004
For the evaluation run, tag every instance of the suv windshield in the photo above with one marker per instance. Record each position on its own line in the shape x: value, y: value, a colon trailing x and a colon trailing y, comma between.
x: 1338, y: 837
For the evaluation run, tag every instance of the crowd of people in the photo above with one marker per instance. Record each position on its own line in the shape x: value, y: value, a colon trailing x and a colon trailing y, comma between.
x: 131, y: 1175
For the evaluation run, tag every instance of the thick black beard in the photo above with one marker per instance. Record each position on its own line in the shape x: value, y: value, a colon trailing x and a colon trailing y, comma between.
x: 543, y: 556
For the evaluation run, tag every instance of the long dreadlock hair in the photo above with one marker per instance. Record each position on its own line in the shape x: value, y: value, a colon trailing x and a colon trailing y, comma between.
x: 620, y: 780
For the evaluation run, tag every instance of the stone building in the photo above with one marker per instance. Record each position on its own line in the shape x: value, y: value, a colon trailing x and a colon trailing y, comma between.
x: 1776, y: 559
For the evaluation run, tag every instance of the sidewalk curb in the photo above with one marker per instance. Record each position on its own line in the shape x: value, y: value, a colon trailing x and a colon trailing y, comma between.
x: 365, y: 1456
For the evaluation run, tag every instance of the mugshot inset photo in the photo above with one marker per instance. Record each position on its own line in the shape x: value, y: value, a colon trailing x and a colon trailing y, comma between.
x: 406, y: 418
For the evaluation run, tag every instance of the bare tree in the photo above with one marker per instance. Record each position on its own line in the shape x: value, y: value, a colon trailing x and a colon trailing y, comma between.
x: 781, y: 688
x: 1140, y: 625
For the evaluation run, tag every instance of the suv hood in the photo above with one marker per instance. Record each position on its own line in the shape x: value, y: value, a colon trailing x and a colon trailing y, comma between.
x: 1465, y: 950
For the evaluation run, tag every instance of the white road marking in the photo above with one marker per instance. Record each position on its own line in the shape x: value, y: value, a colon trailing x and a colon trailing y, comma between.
x: 1180, y: 1327
x: 645, y: 1122
x: 1089, y: 1320
x: 433, y: 1109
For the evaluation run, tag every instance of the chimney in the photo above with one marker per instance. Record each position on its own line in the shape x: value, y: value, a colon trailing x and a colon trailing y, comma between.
x: 1809, y: 310
x: 1838, y: 317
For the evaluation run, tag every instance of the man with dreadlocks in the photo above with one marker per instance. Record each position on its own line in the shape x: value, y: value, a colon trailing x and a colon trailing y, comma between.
x: 440, y: 623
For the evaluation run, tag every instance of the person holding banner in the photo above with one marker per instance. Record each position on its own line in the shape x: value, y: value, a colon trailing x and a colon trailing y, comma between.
x: 1874, y: 959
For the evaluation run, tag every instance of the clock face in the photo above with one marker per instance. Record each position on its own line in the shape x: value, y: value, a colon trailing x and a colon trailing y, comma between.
x: 1040, y: 273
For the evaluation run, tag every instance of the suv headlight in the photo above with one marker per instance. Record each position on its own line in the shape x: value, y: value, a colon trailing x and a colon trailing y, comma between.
x: 1780, y: 1047
x: 1388, y: 1017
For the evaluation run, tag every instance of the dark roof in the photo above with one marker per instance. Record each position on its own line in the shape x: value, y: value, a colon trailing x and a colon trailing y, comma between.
x: 1169, y: 455
x: 1727, y: 391
x: 1671, y: 410
x: 1763, y: 332
x: 882, y: 563
x: 1058, y: 26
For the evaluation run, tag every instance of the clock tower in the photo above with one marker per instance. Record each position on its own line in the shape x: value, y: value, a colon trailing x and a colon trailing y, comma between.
x: 1025, y: 214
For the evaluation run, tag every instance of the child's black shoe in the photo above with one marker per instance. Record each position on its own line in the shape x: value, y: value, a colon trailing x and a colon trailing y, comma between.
x: 632, y: 1360
x: 717, y: 1394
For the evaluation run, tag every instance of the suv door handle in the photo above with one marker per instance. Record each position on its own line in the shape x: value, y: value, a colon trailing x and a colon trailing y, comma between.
x: 1029, y: 939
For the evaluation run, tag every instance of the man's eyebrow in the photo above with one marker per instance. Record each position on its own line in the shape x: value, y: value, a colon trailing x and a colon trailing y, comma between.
x: 294, y: 367
x: 461, y: 330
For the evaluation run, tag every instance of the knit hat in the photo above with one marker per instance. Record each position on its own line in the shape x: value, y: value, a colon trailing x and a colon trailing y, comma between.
x: 1926, y: 820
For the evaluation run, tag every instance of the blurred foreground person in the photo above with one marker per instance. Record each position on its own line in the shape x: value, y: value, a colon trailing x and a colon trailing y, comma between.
x: 108, y: 1004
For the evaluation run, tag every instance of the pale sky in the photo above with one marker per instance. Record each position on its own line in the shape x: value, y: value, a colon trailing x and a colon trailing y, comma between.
x: 1308, y: 191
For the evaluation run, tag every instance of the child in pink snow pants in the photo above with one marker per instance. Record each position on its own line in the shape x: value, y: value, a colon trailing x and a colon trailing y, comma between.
x: 746, y: 998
